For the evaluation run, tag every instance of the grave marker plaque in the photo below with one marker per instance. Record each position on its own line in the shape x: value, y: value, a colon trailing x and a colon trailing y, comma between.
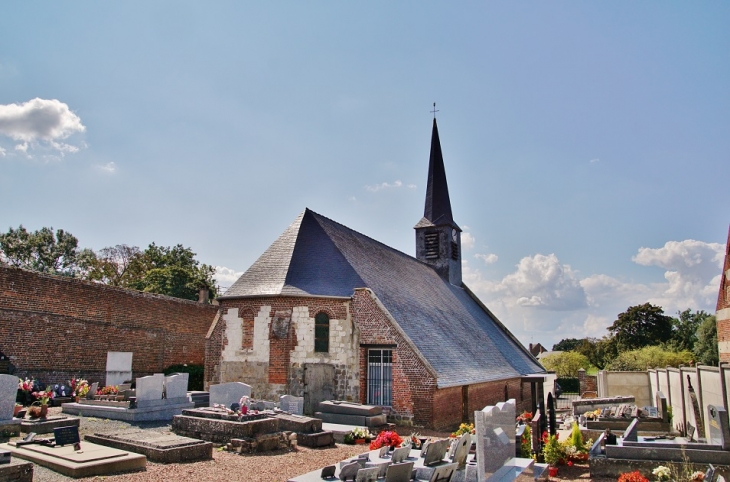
x: 66, y: 435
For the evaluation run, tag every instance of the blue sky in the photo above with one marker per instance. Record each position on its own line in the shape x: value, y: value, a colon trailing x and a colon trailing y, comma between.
x: 586, y: 143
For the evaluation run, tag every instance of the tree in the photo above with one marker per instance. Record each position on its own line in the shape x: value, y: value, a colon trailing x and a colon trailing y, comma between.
x: 171, y: 271
x: 684, y: 334
x: 641, y: 325
x: 705, y: 349
x: 565, y: 364
x: 567, y: 344
x: 650, y: 357
x: 42, y: 250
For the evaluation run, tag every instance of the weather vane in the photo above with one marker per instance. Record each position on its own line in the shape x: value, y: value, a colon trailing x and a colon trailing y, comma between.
x: 434, y: 110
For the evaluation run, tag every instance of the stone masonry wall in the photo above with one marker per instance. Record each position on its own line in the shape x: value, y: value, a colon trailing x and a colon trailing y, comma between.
x: 273, y: 362
x: 54, y: 327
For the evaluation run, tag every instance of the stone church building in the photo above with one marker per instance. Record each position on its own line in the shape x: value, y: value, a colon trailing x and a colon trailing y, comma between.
x: 329, y: 313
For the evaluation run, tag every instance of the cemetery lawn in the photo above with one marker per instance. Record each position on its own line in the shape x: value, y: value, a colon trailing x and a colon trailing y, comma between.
x: 274, y: 466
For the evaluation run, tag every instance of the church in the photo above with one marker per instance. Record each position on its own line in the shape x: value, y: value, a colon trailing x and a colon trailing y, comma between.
x: 328, y: 313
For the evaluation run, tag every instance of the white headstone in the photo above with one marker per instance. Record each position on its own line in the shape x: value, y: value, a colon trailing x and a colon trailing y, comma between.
x: 8, y: 392
x: 292, y: 404
x: 176, y: 386
x: 495, y: 427
x: 118, y: 367
x: 149, y: 388
x: 228, y: 393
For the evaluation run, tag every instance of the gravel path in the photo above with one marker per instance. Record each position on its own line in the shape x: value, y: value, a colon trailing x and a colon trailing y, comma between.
x: 275, y: 466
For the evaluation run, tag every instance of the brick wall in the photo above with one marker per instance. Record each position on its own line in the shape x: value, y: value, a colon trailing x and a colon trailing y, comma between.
x: 723, y: 308
x: 54, y: 327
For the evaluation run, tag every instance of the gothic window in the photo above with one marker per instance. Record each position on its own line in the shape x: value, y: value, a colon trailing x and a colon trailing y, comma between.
x: 380, y: 377
x: 321, y: 333
x: 247, y: 323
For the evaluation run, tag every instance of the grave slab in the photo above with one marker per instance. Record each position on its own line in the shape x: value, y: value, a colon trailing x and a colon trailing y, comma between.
x: 349, y: 408
x: 359, y: 420
x: 118, y: 367
x: 161, y: 410
x: 46, y: 425
x: 17, y: 470
x: 161, y: 447
x: 8, y: 392
x: 92, y: 459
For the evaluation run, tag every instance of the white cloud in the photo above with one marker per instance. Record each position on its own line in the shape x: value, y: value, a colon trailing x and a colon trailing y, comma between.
x: 467, y: 240
x: 40, y: 123
x: 352, y: 199
x: 109, y: 167
x: 595, y: 160
x: 3, y: 152
x: 386, y: 185
x: 226, y: 276
x: 489, y: 258
x: 545, y: 300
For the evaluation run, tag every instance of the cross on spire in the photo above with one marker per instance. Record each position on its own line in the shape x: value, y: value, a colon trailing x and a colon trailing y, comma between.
x: 434, y: 110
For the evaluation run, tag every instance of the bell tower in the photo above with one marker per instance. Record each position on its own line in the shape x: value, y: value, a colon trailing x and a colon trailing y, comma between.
x: 438, y: 237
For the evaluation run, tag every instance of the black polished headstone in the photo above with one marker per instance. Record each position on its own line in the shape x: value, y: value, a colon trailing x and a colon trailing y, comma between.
x: 66, y: 435
x: 551, y: 414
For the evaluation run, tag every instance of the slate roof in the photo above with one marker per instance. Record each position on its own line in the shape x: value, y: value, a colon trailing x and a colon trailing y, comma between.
x: 462, y: 341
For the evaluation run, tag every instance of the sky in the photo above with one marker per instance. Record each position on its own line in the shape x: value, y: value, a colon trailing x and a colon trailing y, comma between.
x: 586, y: 144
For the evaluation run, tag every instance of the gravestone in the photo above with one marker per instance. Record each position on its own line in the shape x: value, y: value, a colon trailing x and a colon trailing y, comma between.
x: 462, y: 450
x: 8, y: 392
x: 149, y: 388
x: 92, y: 391
x: 292, y: 404
x: 551, y: 414
x: 228, y: 393
x: 719, y: 426
x: 696, y: 410
x: 349, y: 471
x: 400, y: 454
x: 176, y: 386
x: 436, y: 452
x: 536, y: 435
x: 661, y: 405
x: 66, y: 435
x: 369, y: 474
x: 634, y: 412
x: 632, y: 432
x: 495, y: 429
x: 118, y: 367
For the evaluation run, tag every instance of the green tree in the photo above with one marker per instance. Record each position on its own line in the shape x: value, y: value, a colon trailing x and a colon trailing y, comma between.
x: 705, y: 349
x: 684, y: 333
x: 641, y: 325
x: 565, y: 364
x: 567, y: 344
x: 650, y: 357
x: 171, y: 271
x: 42, y: 250
x: 118, y: 265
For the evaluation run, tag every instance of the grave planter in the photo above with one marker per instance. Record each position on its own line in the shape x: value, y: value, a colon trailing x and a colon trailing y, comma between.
x: 552, y: 471
x: 17, y: 409
x: 359, y: 441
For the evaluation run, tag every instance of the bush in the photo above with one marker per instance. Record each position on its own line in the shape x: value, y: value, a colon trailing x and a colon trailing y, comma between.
x: 569, y: 384
x: 649, y: 357
x: 196, y: 374
x: 565, y: 364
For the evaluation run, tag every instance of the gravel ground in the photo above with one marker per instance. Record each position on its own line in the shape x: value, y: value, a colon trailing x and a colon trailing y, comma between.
x: 275, y: 466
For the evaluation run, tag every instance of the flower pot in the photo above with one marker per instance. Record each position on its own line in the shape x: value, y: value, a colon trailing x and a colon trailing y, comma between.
x: 17, y: 409
x: 77, y: 398
x: 359, y: 441
x: 552, y: 471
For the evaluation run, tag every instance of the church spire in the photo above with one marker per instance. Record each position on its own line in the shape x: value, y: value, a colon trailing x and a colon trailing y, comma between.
x: 438, y: 238
x: 438, y: 204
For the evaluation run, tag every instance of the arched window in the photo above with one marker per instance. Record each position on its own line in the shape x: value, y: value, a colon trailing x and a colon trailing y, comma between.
x: 322, y: 333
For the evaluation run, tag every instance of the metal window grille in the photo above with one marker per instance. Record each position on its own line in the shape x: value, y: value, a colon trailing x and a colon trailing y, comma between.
x: 380, y: 377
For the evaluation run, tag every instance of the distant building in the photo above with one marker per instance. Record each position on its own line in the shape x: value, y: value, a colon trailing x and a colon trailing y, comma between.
x: 536, y: 349
x: 328, y: 313
x: 723, y: 308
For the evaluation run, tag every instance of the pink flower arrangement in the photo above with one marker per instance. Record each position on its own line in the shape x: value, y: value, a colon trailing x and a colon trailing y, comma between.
x: 25, y: 385
x: 386, y: 438
x: 44, y: 396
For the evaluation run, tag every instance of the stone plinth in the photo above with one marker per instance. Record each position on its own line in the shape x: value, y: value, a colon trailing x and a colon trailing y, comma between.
x: 46, y: 425
x: 222, y: 431
x: 317, y: 439
x: 151, y: 410
x: 17, y: 470
x: 92, y: 460
x: 161, y: 447
x: 582, y: 405
x: 298, y: 423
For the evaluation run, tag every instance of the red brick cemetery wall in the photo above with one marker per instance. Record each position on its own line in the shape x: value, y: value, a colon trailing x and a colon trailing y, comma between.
x: 53, y: 327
